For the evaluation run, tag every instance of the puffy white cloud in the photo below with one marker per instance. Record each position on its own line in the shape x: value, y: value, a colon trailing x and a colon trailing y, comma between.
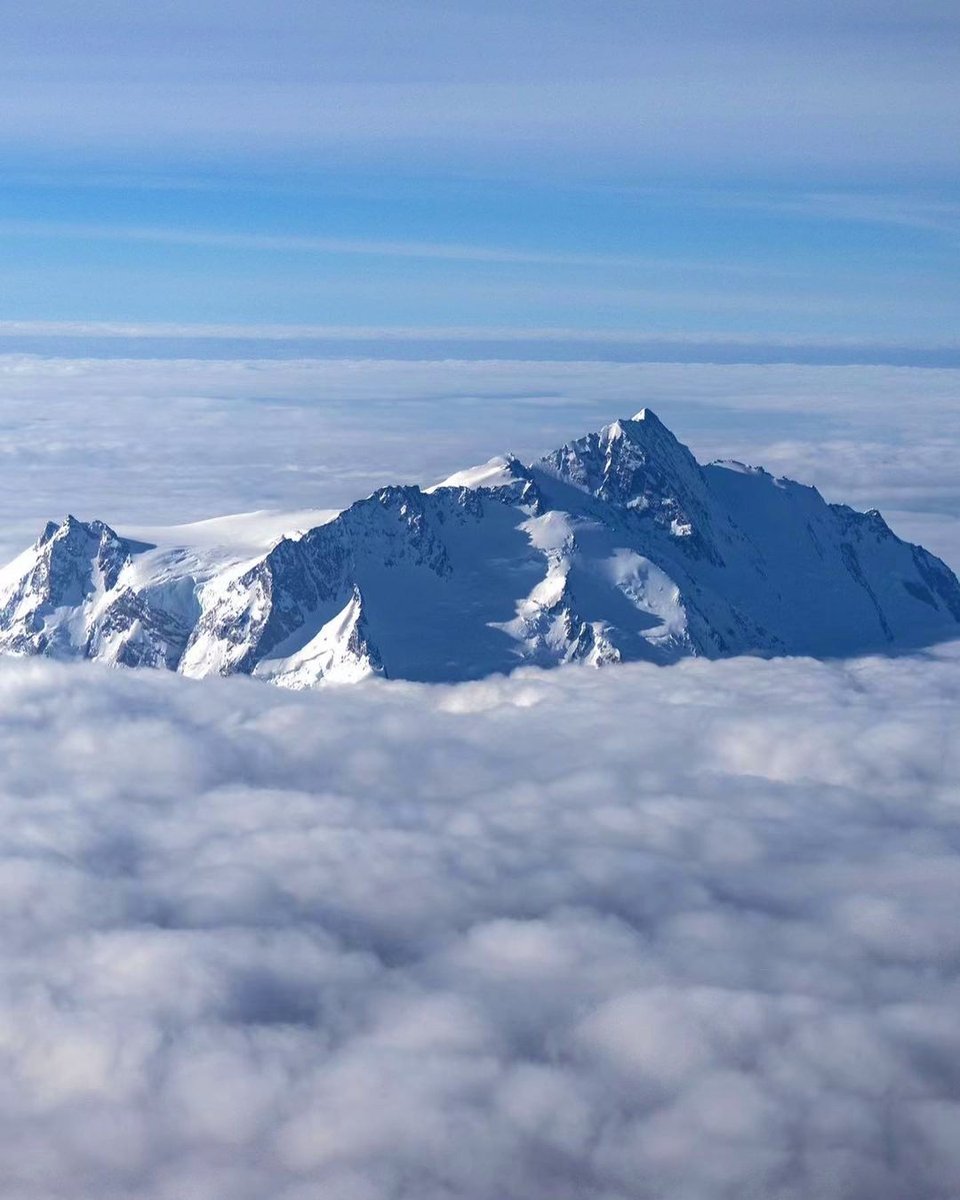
x: 634, y: 933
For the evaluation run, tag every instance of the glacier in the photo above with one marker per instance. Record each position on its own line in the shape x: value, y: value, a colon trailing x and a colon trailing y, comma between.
x: 617, y: 546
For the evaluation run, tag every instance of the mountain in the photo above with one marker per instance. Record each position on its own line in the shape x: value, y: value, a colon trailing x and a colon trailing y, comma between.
x: 617, y: 546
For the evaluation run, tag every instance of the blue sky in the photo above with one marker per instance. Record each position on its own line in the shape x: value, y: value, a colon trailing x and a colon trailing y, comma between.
x: 737, y: 170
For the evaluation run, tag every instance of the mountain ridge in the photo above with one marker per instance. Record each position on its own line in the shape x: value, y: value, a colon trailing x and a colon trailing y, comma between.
x: 616, y: 546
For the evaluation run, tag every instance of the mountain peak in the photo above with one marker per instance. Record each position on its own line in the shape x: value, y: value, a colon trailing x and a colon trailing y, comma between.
x: 616, y: 546
x: 648, y: 415
x: 71, y: 527
x: 626, y: 426
x: 637, y: 464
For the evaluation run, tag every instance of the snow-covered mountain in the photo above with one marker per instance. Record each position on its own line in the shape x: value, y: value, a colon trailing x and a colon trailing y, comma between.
x: 617, y: 546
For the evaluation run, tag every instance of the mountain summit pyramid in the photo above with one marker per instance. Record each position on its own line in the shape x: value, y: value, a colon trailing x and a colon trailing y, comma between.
x: 615, y: 547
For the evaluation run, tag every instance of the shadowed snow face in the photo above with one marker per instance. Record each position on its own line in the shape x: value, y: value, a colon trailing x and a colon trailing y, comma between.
x: 686, y: 933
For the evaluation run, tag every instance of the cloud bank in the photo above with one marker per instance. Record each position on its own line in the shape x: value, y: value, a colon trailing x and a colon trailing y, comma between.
x: 637, y: 933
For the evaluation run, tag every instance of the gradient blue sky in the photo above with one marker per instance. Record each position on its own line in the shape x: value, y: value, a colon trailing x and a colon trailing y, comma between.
x: 744, y: 169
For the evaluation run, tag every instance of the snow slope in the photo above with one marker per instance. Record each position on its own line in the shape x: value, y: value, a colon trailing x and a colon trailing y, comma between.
x: 617, y: 546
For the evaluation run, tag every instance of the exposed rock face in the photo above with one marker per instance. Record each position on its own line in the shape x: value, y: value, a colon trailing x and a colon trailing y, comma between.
x: 616, y: 546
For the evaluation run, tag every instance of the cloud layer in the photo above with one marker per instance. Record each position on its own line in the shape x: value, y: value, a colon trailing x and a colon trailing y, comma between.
x: 637, y: 933
x: 705, y: 87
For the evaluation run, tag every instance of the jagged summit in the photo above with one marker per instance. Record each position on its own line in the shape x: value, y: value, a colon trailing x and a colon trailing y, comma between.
x: 638, y: 464
x: 638, y: 429
x: 616, y: 546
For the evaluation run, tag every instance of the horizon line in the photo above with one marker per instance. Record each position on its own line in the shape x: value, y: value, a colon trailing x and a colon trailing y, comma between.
x: 158, y: 340
x: 275, y: 331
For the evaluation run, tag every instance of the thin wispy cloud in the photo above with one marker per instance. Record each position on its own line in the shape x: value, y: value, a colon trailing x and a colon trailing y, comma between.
x: 368, y: 248
x: 408, y: 333
x: 810, y: 147
x: 857, y: 91
x: 937, y: 215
